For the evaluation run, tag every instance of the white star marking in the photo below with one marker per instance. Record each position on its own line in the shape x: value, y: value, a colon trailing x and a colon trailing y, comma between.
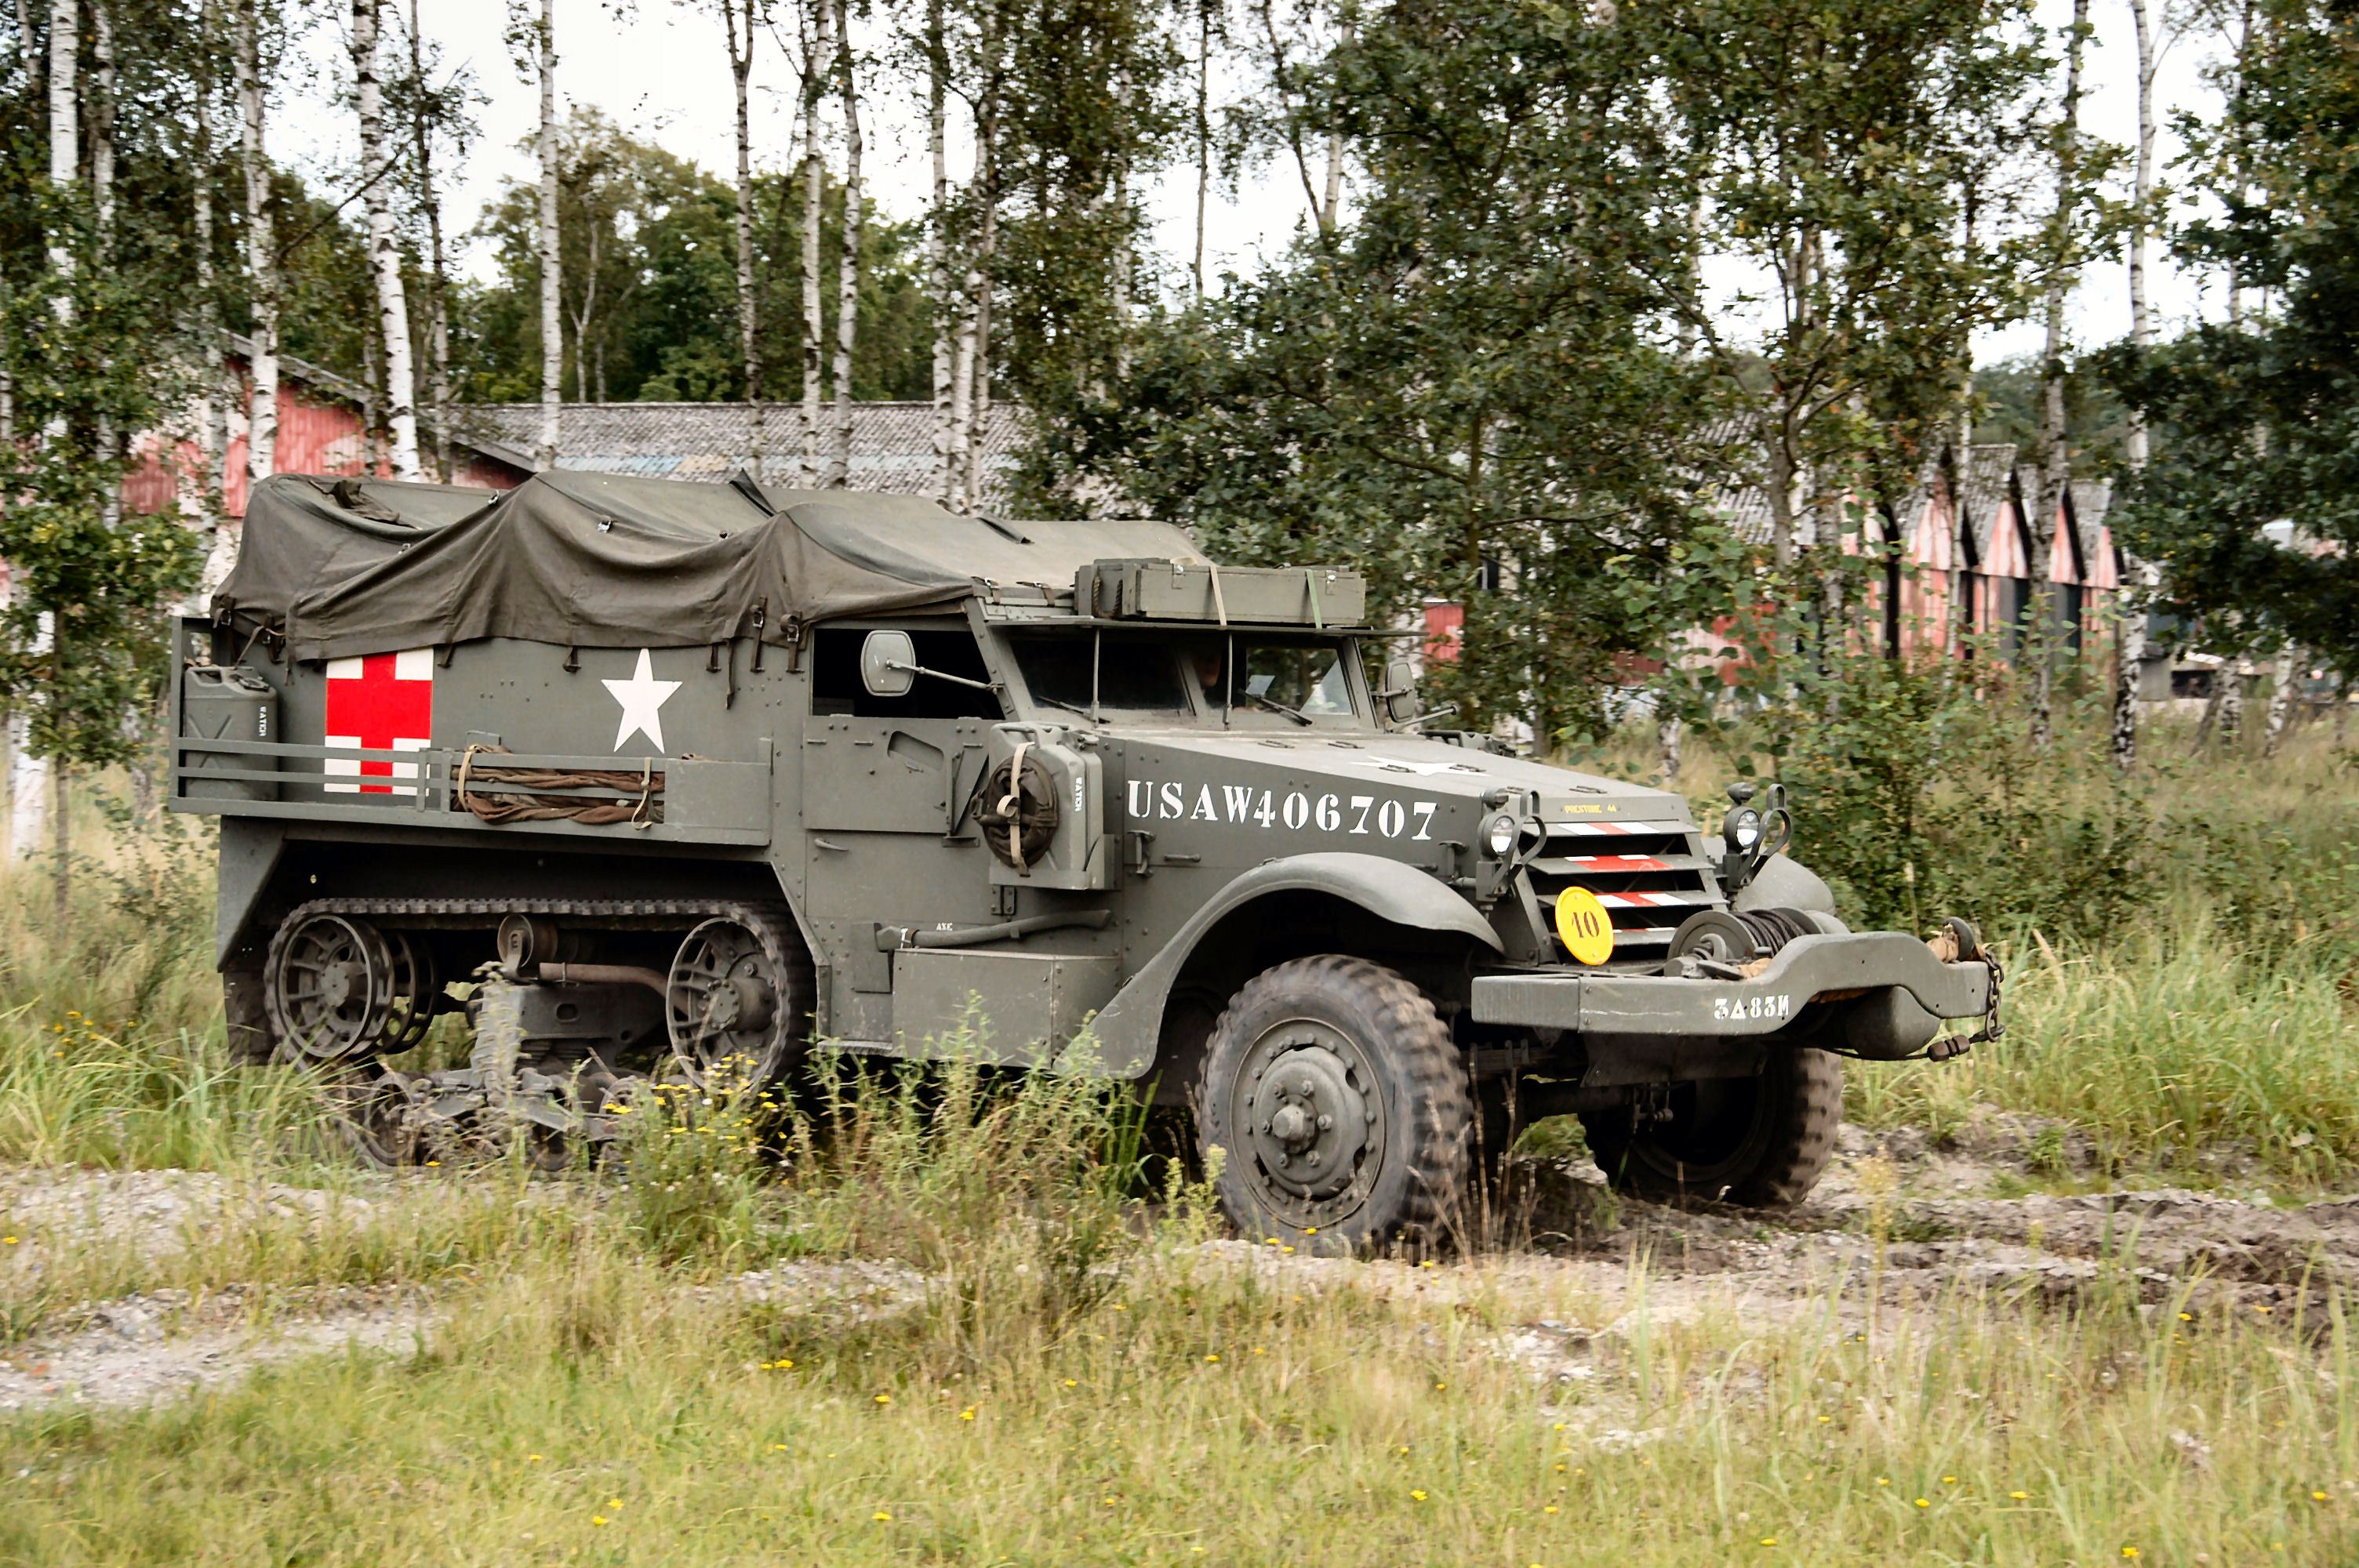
x: 642, y: 697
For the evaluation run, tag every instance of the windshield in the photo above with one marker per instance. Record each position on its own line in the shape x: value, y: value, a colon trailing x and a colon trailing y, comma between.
x: 1134, y: 674
x: 1281, y: 683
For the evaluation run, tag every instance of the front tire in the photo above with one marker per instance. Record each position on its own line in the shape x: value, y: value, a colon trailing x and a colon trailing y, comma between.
x: 1757, y: 1142
x: 1340, y: 1104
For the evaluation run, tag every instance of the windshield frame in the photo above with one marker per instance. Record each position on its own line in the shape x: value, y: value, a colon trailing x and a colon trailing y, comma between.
x: 1227, y: 707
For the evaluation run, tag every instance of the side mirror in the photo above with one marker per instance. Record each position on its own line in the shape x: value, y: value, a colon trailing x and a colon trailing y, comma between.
x: 888, y: 664
x: 1399, y: 695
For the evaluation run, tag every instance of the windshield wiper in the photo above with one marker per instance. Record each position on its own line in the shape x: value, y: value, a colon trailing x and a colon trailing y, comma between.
x: 1068, y: 707
x: 1294, y: 713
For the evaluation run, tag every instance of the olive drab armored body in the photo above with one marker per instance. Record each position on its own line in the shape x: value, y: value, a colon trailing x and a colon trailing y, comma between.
x: 655, y: 778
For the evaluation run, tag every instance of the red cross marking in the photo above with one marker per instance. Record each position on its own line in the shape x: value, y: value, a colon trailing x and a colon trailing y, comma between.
x: 382, y: 701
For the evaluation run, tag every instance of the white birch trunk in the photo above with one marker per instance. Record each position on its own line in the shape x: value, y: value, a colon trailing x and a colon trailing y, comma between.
x: 817, y: 58
x: 937, y: 252
x: 1204, y: 135
x: 2055, y: 450
x: 2282, y: 678
x: 28, y: 774
x: 384, y: 247
x: 261, y: 257
x: 105, y: 437
x: 1667, y: 739
x: 65, y: 126
x: 438, y: 287
x: 978, y: 459
x: 2129, y: 656
x: 749, y: 311
x: 978, y: 357
x: 552, y: 323
x: 2141, y: 229
x: 1330, y: 200
x: 847, y: 283
x: 201, y: 499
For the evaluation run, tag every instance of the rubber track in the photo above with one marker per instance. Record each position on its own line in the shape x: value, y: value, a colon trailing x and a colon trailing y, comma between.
x: 614, y: 913
x: 1433, y: 1075
x: 460, y: 913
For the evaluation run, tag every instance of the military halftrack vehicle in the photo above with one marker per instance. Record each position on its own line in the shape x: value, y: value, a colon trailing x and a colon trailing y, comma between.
x: 684, y: 777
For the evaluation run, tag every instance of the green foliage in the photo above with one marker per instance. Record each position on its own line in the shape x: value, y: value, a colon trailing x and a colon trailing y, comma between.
x: 650, y: 295
x: 2256, y: 423
x: 1918, y: 794
x: 82, y: 635
x: 1471, y: 391
x: 2201, y: 1042
x: 1838, y: 145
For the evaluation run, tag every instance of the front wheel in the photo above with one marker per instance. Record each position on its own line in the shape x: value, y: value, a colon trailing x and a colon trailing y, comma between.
x: 1759, y: 1143
x: 1339, y: 1103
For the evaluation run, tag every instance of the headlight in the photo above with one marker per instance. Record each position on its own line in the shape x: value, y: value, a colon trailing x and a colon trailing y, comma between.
x: 1499, y: 835
x: 1741, y: 829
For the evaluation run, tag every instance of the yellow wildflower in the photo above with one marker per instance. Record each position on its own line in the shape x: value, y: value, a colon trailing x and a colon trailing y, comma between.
x: 1418, y: 1497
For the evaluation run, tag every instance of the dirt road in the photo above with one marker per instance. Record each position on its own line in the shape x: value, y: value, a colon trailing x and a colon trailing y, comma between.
x: 1896, y: 1219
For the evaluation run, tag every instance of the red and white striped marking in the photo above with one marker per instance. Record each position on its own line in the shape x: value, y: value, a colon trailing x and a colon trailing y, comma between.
x: 1594, y: 863
x: 1650, y: 899
x: 1613, y: 829
x: 379, y: 702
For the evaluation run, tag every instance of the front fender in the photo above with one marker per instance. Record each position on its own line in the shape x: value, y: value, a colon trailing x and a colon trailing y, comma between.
x: 1131, y: 1024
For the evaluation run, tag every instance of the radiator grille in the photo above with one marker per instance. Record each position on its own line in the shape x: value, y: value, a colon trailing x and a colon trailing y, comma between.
x: 1650, y: 876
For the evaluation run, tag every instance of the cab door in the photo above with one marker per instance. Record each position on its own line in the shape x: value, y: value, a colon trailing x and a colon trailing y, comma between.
x: 888, y: 786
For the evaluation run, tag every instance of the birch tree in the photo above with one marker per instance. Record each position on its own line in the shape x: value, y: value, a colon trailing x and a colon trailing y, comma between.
x: 936, y: 45
x: 28, y: 776
x: 971, y: 362
x: 2129, y: 644
x: 818, y: 60
x: 261, y: 255
x: 2055, y: 445
x: 427, y: 110
x: 750, y: 14
x: 847, y: 291
x: 535, y: 39
x: 384, y: 247
x: 213, y: 436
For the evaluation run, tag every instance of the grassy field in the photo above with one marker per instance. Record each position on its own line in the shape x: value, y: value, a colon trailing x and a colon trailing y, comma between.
x: 968, y: 1339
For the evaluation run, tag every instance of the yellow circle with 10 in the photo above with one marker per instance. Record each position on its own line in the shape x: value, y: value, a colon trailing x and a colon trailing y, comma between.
x: 1583, y: 925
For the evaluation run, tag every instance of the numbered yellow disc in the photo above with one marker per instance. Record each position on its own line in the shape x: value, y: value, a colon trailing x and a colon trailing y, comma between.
x: 1586, y: 928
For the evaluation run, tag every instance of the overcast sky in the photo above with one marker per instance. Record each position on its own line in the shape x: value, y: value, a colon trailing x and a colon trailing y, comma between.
x: 661, y: 72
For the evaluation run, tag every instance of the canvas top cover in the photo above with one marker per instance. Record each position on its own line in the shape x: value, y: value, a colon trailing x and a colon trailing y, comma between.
x: 342, y: 567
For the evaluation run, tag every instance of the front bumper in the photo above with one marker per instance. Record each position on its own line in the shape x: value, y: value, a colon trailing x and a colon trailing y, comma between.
x: 1865, y: 966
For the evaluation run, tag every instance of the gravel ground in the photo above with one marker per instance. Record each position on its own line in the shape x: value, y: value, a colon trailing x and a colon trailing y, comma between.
x: 1895, y: 1218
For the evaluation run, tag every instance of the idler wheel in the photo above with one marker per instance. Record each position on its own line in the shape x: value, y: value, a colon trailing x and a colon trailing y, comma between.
x: 329, y: 988
x: 732, y: 1001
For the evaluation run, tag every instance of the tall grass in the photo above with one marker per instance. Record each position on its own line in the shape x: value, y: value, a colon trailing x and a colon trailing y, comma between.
x: 110, y: 1036
x: 587, y: 1407
x: 2171, y: 1047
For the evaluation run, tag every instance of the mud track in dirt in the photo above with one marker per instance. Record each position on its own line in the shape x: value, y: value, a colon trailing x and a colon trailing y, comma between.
x: 1896, y: 1222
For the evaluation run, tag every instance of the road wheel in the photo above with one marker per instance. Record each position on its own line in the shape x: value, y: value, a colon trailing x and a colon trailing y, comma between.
x: 1340, y: 1104
x: 1756, y: 1141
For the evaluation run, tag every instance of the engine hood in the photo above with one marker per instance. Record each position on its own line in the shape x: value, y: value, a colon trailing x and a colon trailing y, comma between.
x: 1434, y: 769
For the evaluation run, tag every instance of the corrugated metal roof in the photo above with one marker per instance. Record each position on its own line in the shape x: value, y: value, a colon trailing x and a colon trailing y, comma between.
x: 1987, y: 487
x: 892, y: 443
